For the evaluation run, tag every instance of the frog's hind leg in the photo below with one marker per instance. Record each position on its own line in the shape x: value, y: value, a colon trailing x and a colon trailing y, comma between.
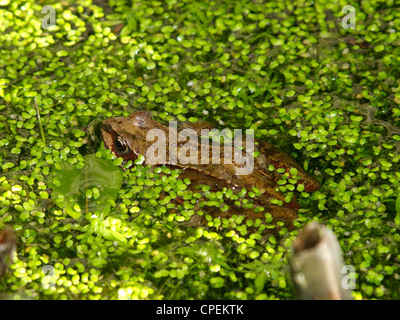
x: 280, y: 159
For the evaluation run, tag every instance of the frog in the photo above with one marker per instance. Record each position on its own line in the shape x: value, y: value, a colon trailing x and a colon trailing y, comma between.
x: 128, y: 137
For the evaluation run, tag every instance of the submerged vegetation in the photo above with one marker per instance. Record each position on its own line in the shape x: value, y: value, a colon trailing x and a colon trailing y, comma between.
x: 328, y: 96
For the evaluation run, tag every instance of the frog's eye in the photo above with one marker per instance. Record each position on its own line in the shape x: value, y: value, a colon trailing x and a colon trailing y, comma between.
x: 120, y: 146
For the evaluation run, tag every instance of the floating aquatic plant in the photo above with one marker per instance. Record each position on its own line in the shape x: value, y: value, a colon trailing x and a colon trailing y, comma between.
x: 92, y: 188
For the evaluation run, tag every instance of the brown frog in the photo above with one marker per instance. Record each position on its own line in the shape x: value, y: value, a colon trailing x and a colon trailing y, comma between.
x: 139, y: 133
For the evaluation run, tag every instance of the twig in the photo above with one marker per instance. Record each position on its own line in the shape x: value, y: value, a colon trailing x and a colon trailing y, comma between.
x: 317, y: 266
x: 40, y: 122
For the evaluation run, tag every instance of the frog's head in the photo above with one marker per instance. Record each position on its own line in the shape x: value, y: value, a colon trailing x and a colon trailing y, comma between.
x: 126, y: 137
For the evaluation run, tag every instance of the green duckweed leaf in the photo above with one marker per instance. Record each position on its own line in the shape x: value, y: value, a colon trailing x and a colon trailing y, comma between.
x: 397, y: 205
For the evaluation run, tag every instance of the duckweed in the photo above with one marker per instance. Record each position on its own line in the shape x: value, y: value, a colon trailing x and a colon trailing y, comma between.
x: 326, y: 95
